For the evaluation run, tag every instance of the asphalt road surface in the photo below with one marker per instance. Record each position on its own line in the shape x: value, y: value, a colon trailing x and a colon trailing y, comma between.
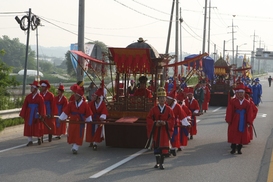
x: 207, y: 157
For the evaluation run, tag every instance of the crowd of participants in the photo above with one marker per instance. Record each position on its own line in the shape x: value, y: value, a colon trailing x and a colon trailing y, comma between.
x: 170, y: 123
x: 46, y: 114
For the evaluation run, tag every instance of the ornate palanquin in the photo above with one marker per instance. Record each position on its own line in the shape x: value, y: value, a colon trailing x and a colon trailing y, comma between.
x: 221, y: 86
x: 132, y: 110
x: 126, y: 125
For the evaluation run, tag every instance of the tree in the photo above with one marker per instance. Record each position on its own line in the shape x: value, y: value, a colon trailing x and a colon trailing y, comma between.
x: 102, y: 45
x: 70, y: 69
x: 46, y: 66
x: 15, y: 53
x: 6, y: 80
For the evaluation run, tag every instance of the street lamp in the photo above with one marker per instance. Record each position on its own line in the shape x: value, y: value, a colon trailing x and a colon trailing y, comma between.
x: 237, y: 52
x: 27, y: 22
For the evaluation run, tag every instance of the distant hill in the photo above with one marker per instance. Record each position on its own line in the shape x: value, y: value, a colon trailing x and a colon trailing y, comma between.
x: 58, y: 52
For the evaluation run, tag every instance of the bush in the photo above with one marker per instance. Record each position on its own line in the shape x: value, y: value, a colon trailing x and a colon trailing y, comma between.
x: 10, y: 122
x: 7, y: 102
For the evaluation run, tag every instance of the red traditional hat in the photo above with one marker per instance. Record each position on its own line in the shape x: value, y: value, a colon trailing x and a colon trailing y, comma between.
x: 35, y: 84
x: 190, y: 90
x: 99, y: 92
x: 45, y: 83
x: 74, y: 88
x: 79, y: 92
x: 240, y: 87
x: 61, y: 88
x: 248, y: 90
x: 172, y: 95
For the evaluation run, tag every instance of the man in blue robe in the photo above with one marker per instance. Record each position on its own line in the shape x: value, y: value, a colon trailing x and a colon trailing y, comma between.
x: 257, y: 92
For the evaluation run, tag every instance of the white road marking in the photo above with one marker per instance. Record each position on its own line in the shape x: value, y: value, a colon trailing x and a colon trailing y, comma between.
x: 8, y: 149
x: 19, y: 146
x: 217, y: 109
x: 197, y: 121
x: 264, y: 115
x: 110, y: 168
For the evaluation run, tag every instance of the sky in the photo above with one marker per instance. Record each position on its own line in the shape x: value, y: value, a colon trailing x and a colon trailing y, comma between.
x: 118, y: 23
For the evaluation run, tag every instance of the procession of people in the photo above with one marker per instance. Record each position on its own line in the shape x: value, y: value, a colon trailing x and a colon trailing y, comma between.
x: 171, y: 123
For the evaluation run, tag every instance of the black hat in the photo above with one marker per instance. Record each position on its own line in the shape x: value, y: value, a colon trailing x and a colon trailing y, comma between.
x: 140, y: 39
x: 143, y: 79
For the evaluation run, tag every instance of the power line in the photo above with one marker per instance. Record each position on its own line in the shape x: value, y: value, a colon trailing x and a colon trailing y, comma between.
x: 99, y: 28
x: 192, y: 30
x: 151, y: 8
x: 140, y: 12
x: 64, y: 29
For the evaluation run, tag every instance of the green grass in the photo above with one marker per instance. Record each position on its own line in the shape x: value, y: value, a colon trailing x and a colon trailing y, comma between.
x: 10, y: 122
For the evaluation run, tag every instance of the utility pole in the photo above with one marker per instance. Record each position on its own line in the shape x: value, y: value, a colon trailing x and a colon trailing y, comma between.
x: 176, y: 38
x: 170, y: 28
x: 209, y: 26
x: 224, y: 49
x: 253, y: 52
x: 181, y: 56
x: 205, y: 25
x: 37, y: 50
x: 168, y: 42
x: 80, y: 72
x: 214, y: 54
x: 232, y: 40
x: 259, y: 61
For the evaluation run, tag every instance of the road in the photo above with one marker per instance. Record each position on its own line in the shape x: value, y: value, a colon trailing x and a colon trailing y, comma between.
x: 205, y: 159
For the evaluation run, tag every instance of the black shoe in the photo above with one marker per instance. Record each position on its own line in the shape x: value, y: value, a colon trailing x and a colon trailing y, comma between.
x: 91, y: 144
x: 161, y: 166
x: 233, y: 146
x: 156, y: 166
x: 49, y: 137
x: 173, y: 152
x: 161, y: 162
x: 58, y: 137
x: 95, y: 147
x: 29, y: 143
x: 239, y: 147
x: 39, y: 141
x: 191, y: 137
x: 179, y: 149
x: 74, y: 151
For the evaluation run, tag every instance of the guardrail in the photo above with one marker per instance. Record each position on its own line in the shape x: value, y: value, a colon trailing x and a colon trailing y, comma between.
x: 10, y: 114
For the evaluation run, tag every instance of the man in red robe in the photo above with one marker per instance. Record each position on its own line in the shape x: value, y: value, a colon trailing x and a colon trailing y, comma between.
x: 95, y: 132
x: 160, y: 126
x: 32, y: 111
x: 142, y: 90
x: 254, y: 110
x: 180, y: 97
x: 238, y: 116
x: 206, y: 89
x: 51, y: 109
x: 80, y: 84
x: 193, y: 106
x: 181, y: 122
x: 61, y: 102
x: 78, y: 113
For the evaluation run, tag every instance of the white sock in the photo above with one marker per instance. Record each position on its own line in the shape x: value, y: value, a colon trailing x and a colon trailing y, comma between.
x: 29, y: 139
x: 75, y: 146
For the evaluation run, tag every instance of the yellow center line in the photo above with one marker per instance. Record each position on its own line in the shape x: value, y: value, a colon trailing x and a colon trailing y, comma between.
x: 270, y: 171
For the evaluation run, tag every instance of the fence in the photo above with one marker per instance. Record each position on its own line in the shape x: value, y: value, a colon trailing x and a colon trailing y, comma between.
x: 10, y: 114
